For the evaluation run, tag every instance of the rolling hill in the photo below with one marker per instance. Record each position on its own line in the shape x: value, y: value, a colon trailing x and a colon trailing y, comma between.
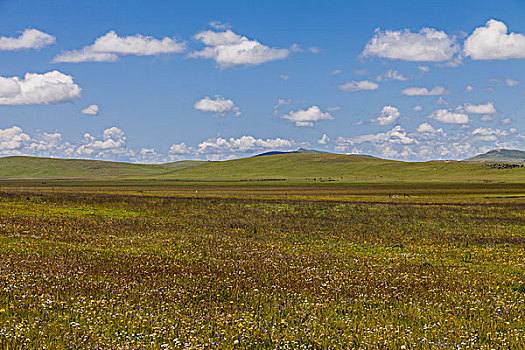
x: 318, y: 167
x: 35, y: 167
x: 500, y: 155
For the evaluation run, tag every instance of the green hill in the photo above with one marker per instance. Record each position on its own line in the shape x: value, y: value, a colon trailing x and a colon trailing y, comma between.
x: 500, y: 155
x: 336, y: 167
x: 34, y: 167
x: 293, y: 166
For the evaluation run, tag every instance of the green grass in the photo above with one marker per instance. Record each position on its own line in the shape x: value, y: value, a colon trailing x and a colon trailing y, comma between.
x: 34, y: 167
x: 343, y: 168
x: 303, y: 167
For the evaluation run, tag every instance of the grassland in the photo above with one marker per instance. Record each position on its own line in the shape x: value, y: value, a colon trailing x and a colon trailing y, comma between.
x: 297, y: 167
x: 170, y: 264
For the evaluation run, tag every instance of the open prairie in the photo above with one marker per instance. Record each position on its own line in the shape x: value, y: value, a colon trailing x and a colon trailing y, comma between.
x: 259, y: 264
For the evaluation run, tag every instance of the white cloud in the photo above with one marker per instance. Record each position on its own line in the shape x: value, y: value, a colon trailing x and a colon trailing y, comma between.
x: 243, y: 144
x: 428, y: 45
x: 332, y: 109
x: 219, y: 106
x: 307, y: 117
x: 417, y: 108
x: 29, y: 39
x: 219, y: 25
x: 336, y: 72
x: 487, y: 108
x: 389, y: 115
x: 108, y: 47
x: 424, y: 69
x: 469, y: 88
x: 449, y: 117
x: 323, y: 140
x: 511, y: 82
x: 48, y: 88
x: 229, y: 49
x: 395, y: 136
x: 91, y: 110
x: 493, y: 42
x: 506, y: 121
x: 179, y: 148
x: 111, y: 146
x: 85, y: 55
x: 391, y: 75
x: 426, y: 128
x: 12, y: 138
x: 508, y: 81
x: 284, y: 76
x: 423, y: 91
x: 353, y: 86
x: 486, y: 118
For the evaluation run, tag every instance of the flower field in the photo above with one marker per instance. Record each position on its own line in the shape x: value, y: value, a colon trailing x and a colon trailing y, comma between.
x: 113, y: 271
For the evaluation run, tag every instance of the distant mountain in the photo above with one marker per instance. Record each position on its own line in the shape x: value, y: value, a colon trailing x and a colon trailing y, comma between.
x: 500, y: 155
x: 300, y: 150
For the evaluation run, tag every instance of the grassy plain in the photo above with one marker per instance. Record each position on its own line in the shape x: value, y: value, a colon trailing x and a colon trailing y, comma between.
x: 261, y: 264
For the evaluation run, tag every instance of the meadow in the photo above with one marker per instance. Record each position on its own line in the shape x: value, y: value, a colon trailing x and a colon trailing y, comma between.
x: 153, y: 265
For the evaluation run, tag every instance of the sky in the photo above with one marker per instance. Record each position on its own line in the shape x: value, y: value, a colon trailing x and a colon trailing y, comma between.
x: 153, y: 82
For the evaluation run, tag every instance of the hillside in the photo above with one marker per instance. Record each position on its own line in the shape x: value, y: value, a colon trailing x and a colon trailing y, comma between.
x: 34, y: 167
x: 336, y: 167
x: 318, y: 167
x: 500, y: 155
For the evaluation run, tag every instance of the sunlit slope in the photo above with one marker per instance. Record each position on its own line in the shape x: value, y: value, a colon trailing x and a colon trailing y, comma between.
x: 324, y: 167
x: 33, y: 167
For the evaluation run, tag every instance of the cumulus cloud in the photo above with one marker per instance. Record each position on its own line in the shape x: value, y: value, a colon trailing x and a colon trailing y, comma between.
x: 395, y: 136
x: 12, y: 138
x: 423, y: 91
x: 91, y: 110
x: 111, y: 146
x: 336, y: 72
x: 488, y: 134
x: 179, y: 148
x: 494, y: 42
x: 353, y: 86
x: 449, y: 117
x: 307, y: 117
x: 417, y: 108
x: 219, y: 106
x: 424, y: 69
x: 487, y: 108
x: 428, y: 45
x: 29, y: 39
x: 108, y: 47
x: 391, y: 75
x: 389, y: 115
x: 229, y: 49
x: 426, y: 128
x: 243, y: 144
x: 469, y: 88
x: 48, y: 88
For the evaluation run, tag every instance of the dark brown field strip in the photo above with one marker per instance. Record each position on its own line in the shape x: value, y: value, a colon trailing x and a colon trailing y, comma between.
x: 262, y: 200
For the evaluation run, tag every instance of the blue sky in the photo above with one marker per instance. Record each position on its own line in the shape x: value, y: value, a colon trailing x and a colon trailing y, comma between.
x: 161, y: 81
